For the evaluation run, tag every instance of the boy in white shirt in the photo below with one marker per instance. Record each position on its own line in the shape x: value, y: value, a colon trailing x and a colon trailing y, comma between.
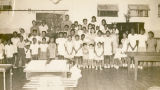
x: 108, y: 50
x: 34, y: 35
x: 132, y: 46
x: 9, y: 51
x: 43, y: 35
x: 34, y: 49
x: 21, y: 52
x: 1, y: 51
x: 27, y: 53
x: 99, y: 38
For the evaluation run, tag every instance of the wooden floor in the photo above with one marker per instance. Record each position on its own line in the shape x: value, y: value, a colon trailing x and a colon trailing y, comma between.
x: 109, y: 79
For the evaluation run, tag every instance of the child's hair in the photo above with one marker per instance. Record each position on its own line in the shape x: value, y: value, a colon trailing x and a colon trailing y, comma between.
x: 44, y: 32
x: 94, y: 17
x: 64, y: 33
x: 99, y: 31
x: 150, y: 32
x: 43, y: 38
x: 15, y: 32
x: 84, y: 19
x: 69, y: 36
x: 99, y: 43
x: 72, y: 30
x: 108, y: 32
x: 34, y: 30
x: 66, y: 26
x: 84, y: 44
x: 76, y: 36
x: 91, y: 45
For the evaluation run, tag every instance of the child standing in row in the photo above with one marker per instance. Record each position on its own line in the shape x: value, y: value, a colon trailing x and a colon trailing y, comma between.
x: 85, y: 55
x: 1, y: 51
x: 108, y: 50
x: 52, y: 49
x: 99, y: 55
x: 78, y: 51
x: 34, y: 49
x: 43, y: 50
x: 9, y: 52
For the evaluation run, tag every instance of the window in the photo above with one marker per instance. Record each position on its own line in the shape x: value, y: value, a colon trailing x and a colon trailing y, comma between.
x: 107, y: 11
x: 5, y: 5
x: 159, y: 10
x: 139, y: 10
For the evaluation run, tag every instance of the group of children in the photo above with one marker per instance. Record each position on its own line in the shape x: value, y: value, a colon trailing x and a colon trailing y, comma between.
x: 88, y: 45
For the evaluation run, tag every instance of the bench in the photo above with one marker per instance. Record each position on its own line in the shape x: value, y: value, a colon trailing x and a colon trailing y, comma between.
x: 64, y: 82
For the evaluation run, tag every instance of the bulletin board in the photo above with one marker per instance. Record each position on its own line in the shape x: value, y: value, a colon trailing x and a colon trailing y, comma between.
x: 53, y: 20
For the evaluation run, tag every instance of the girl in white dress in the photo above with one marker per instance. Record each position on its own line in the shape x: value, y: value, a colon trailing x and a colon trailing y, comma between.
x: 125, y: 43
x: 43, y: 52
x: 108, y: 50
x: 85, y: 55
x: 78, y: 50
x: 118, y: 56
x: 69, y: 48
x: 91, y: 56
x: 60, y: 46
x: 99, y: 55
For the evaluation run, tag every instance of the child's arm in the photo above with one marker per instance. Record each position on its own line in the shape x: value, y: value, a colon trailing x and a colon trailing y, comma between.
x: 102, y: 53
x: 66, y: 49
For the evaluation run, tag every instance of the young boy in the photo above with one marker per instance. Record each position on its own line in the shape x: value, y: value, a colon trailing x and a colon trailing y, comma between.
x: 78, y: 50
x: 43, y: 50
x: 85, y: 55
x: 132, y: 46
x: 27, y: 53
x: 21, y: 53
x: 151, y: 42
x: 9, y: 51
x: 34, y: 49
x: 108, y: 50
x: 1, y: 51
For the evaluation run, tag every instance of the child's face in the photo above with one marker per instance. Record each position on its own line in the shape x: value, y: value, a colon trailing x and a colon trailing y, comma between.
x: 65, y: 35
x: 43, y: 40
x: 34, y: 40
x: 97, y: 28
x: 90, y: 26
x: 150, y: 35
x: 43, y: 34
x: 85, y: 46
x: 69, y: 38
x: 103, y: 22
x: 85, y: 21
x: 98, y: 44
x: 34, y: 32
x: 132, y: 31
x: 124, y: 35
x: 94, y: 19
x: 107, y: 34
x: 21, y: 38
x: 21, y: 31
x: 142, y: 32
x: 83, y: 36
x: 79, y: 27
x: 60, y: 35
x: 92, y: 31
x: 52, y: 40
x: 77, y: 37
x: 15, y: 34
x: 76, y: 23
x: 99, y: 34
x: 27, y: 46
x: 9, y: 42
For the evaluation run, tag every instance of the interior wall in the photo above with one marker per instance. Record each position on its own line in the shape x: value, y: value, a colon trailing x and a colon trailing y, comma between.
x: 77, y: 9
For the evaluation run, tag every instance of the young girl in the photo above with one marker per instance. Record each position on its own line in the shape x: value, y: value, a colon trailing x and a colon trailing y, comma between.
x: 85, y: 23
x: 99, y: 55
x: 60, y: 46
x: 118, y: 56
x: 52, y: 49
x: 9, y: 51
x: 151, y: 42
x: 1, y: 51
x: 85, y: 55
x: 27, y: 53
x: 125, y: 43
x: 108, y: 50
x: 69, y: 48
x: 43, y: 50
x: 34, y: 49
x: 78, y: 51
x: 91, y: 56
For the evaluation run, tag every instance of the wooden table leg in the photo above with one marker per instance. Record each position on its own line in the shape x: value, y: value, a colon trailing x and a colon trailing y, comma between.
x: 4, y: 80
x: 136, y: 70
x: 11, y: 79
